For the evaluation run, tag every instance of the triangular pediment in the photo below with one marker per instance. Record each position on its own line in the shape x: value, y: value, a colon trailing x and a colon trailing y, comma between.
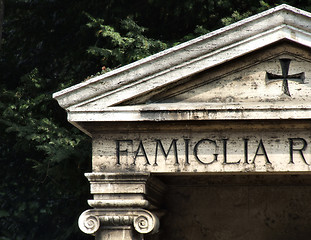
x: 230, y: 73
x: 244, y: 81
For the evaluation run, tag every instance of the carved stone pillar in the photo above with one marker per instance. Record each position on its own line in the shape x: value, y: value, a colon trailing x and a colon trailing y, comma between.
x: 126, y: 206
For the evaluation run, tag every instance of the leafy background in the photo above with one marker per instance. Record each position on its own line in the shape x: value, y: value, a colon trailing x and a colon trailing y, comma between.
x: 48, y: 45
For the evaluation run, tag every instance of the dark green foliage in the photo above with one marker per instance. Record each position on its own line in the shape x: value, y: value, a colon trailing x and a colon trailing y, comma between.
x: 122, y: 46
x: 42, y: 164
x: 48, y: 45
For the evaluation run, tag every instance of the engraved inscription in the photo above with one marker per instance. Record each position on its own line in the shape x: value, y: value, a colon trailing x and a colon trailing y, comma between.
x: 293, y: 142
x: 205, y: 151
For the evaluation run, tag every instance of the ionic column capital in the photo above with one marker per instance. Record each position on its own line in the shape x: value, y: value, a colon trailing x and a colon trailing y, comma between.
x: 124, y: 204
x: 143, y: 221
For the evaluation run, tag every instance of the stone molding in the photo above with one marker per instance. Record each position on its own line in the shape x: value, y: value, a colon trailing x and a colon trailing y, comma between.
x: 124, y: 190
x: 141, y: 220
x: 123, y: 201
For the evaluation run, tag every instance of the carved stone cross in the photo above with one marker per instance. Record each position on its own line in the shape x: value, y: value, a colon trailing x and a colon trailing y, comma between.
x: 299, y: 77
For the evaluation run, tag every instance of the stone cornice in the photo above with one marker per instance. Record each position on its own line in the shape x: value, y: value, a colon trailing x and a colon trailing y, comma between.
x: 184, y: 112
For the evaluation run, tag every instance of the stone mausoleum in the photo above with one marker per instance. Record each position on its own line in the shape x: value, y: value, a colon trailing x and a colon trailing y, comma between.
x: 210, y: 139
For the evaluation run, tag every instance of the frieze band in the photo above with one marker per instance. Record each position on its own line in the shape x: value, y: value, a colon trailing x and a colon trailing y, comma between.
x: 296, y: 151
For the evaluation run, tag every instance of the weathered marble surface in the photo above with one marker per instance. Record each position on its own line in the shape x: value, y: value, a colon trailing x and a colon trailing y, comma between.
x: 245, y: 80
x: 125, y: 206
x: 256, y: 148
x: 239, y: 89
